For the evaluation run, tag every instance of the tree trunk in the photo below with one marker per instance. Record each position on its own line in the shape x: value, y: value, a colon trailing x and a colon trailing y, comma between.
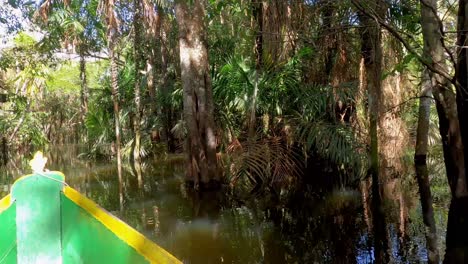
x: 198, y: 104
x: 379, y: 224
x: 457, y: 226
x: 137, y: 53
x: 392, y: 130
x: 4, y: 151
x: 84, y: 83
x: 115, y: 99
x: 166, y: 107
x: 371, y: 51
x: 329, y: 39
x: 462, y: 79
x: 456, y: 250
x: 422, y: 175
x: 445, y: 99
x: 257, y: 12
x: 420, y: 154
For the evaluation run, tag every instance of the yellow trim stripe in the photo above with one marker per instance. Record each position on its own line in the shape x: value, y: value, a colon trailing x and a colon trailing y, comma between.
x: 5, y: 203
x: 140, y: 243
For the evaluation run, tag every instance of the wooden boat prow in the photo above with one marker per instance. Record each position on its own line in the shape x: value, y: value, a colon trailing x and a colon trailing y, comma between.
x: 43, y: 220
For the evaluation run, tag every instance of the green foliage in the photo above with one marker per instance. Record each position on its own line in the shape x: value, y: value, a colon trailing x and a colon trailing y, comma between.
x: 99, y: 125
x: 293, y: 111
x: 66, y: 77
x: 24, y: 41
x: 269, y: 161
x: 99, y: 121
x: 318, y: 130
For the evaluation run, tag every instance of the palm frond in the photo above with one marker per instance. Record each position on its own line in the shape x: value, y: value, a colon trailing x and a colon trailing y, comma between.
x: 266, y: 161
x: 337, y: 143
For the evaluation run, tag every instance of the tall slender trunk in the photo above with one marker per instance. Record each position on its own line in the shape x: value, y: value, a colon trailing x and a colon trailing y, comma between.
x: 137, y: 53
x: 420, y: 154
x: 420, y: 160
x: 4, y: 151
x: 371, y: 51
x: 420, y: 157
x: 422, y: 175
x: 445, y: 99
x: 165, y: 108
x: 84, y: 83
x: 379, y: 225
x: 84, y: 90
x: 462, y: 78
x: 115, y: 99
x: 257, y: 12
x: 198, y: 104
x: 457, y: 226
x: 329, y: 39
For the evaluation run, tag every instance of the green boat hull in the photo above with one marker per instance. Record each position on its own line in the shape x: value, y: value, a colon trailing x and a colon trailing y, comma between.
x: 44, y: 220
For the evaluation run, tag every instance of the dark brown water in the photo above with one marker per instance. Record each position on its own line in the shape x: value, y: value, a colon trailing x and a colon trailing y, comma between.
x: 222, y: 228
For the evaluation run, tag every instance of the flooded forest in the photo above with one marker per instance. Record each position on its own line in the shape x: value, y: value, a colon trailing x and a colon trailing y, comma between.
x: 250, y: 131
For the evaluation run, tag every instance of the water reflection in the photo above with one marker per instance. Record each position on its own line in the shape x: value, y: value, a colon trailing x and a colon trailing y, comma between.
x: 422, y: 176
x: 339, y: 227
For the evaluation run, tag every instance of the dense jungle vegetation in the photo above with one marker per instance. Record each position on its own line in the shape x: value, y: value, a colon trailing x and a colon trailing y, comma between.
x: 257, y: 95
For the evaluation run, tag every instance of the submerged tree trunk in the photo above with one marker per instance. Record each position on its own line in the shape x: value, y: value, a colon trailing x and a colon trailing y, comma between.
x: 462, y: 79
x: 137, y: 53
x: 115, y: 100
x: 112, y: 25
x: 422, y: 174
x: 420, y: 157
x: 457, y: 226
x: 198, y: 101
x: 379, y: 225
x: 371, y: 50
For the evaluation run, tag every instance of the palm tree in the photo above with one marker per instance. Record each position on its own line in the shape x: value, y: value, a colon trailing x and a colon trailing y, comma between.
x: 137, y: 42
x: 107, y: 7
